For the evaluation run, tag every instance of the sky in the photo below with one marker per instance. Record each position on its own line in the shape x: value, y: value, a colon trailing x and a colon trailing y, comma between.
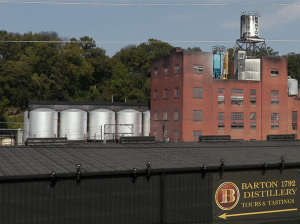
x: 114, y: 24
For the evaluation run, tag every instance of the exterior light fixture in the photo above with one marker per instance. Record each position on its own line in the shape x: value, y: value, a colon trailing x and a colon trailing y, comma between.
x: 282, y: 162
x: 78, y: 173
x: 52, y: 175
x: 148, y: 164
x: 222, y: 166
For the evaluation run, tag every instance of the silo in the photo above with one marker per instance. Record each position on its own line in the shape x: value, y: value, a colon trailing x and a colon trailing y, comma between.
x: 26, y: 127
x: 250, y: 25
x: 146, y: 123
x: 129, y: 123
x: 292, y: 87
x: 43, y: 123
x: 101, y: 124
x: 73, y: 124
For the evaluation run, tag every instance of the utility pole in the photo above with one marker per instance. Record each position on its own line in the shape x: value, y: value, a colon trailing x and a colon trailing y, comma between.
x: 163, y: 125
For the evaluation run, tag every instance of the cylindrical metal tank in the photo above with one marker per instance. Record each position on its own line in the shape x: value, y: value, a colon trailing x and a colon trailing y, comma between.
x: 43, y: 123
x: 73, y: 124
x: 250, y: 25
x: 146, y: 123
x: 26, y: 127
x: 293, y: 87
x: 101, y: 124
x: 129, y: 123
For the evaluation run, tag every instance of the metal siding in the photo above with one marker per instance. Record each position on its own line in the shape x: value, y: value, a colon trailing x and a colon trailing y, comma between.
x: 188, y: 198
x: 109, y: 200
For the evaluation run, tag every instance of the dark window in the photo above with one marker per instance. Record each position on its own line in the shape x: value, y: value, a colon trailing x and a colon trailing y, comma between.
x: 221, y: 122
x: 176, y: 69
x: 198, y: 69
x: 155, y: 115
x: 237, y: 96
x: 237, y: 120
x: 274, y: 97
x: 196, y: 135
x: 274, y: 121
x: 252, y: 96
x: 155, y: 94
x: 176, y: 92
x: 165, y: 115
x: 197, y: 92
x: 274, y: 72
x: 175, y: 136
x: 197, y: 115
x: 252, y: 121
x: 165, y: 71
x: 155, y: 73
x: 176, y: 115
x: 221, y: 96
x: 165, y: 94
x: 294, y: 120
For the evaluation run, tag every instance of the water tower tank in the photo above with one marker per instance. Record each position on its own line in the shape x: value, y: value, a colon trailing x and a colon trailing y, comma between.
x: 293, y: 87
x: 43, y: 123
x: 250, y: 25
x: 26, y: 127
x: 129, y: 123
x: 146, y: 123
x: 101, y: 122
x: 73, y: 124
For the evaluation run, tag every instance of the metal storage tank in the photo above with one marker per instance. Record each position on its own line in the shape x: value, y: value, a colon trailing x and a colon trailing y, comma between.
x: 101, y: 123
x: 146, y: 123
x: 293, y: 87
x: 43, y: 123
x: 250, y: 25
x: 73, y: 124
x: 129, y: 123
x: 26, y: 127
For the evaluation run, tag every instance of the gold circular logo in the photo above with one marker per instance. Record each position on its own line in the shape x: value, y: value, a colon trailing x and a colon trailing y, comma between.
x: 227, y: 196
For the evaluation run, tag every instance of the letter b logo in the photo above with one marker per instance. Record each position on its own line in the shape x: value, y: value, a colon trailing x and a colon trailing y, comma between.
x: 227, y: 195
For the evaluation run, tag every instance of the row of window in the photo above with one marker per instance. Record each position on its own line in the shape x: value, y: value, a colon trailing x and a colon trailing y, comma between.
x: 237, y: 95
x: 237, y: 119
x: 197, y: 69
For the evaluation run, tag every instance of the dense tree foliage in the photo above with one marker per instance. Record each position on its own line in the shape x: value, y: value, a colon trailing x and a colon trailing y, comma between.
x: 42, y: 66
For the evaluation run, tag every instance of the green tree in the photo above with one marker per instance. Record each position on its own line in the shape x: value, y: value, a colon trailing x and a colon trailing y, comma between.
x: 198, y: 49
x: 293, y: 65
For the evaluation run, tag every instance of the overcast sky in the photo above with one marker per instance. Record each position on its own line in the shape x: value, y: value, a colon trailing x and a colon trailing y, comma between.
x: 180, y: 25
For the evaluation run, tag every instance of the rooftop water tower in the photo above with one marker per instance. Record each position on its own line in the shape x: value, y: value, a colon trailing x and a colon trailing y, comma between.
x: 250, y: 40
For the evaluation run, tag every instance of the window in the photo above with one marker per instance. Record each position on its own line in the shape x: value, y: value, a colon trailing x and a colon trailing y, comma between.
x: 165, y: 115
x: 176, y: 69
x: 198, y: 69
x: 237, y: 120
x: 197, y: 92
x: 165, y: 134
x: 155, y: 115
x: 165, y: 94
x: 196, y: 135
x: 221, y: 123
x: 165, y: 71
x: 155, y: 134
x: 176, y: 115
x: 274, y: 121
x: 274, y: 97
x: 176, y: 92
x: 294, y: 120
x: 237, y: 96
x: 155, y: 73
x: 155, y: 94
x: 274, y: 72
x: 197, y: 115
x: 221, y: 96
x: 252, y: 96
x: 175, y: 136
x: 252, y: 121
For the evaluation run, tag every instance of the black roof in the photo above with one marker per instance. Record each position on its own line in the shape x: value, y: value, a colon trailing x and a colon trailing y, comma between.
x: 115, y: 158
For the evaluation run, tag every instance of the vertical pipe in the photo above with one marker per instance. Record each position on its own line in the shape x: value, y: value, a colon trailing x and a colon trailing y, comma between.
x: 162, y: 198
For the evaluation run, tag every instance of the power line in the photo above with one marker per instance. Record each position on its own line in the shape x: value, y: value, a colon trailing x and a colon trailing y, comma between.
x: 137, y: 42
x: 153, y: 4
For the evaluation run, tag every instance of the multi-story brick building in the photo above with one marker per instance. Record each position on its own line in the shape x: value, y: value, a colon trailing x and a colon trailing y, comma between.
x: 186, y: 97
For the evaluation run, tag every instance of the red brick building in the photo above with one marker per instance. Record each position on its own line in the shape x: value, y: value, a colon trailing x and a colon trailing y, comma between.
x: 184, y: 92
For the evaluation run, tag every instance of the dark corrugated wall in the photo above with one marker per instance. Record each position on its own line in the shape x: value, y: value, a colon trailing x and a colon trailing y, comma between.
x: 170, y: 198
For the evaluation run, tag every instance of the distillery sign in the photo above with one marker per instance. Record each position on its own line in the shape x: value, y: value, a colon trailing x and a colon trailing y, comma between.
x: 254, y: 195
